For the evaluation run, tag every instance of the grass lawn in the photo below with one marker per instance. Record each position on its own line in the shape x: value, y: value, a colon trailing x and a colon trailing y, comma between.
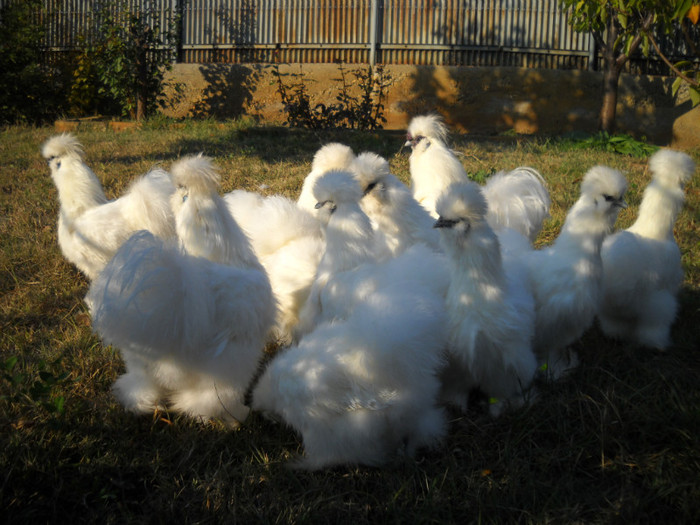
x: 617, y: 441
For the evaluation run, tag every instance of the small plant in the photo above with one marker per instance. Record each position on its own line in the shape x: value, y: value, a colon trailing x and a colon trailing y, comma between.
x: 622, y: 144
x: 482, y: 175
x: 297, y: 103
x: 363, y: 112
x: 44, y: 391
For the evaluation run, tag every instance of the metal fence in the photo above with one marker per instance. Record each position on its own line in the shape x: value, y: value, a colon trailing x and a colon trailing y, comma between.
x: 523, y: 33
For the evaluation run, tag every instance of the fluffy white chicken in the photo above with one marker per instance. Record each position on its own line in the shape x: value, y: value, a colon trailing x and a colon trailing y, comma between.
x: 331, y: 157
x: 566, y: 277
x: 518, y: 199
x: 642, y: 270
x: 389, y: 204
x: 289, y: 242
x: 191, y: 320
x: 361, y: 390
x: 91, y: 228
x: 350, y: 242
x: 490, y: 306
x: 361, y: 384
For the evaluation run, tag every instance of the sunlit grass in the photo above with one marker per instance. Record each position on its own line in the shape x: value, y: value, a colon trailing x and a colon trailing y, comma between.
x: 618, y: 441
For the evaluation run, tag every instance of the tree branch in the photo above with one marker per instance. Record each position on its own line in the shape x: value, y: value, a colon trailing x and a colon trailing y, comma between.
x: 646, y: 24
x: 675, y: 70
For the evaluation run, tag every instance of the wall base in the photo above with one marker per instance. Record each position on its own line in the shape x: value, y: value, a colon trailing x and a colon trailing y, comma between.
x: 472, y: 99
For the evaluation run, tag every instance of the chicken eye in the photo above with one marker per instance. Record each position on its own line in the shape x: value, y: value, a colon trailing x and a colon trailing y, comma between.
x: 320, y: 205
x: 608, y: 198
x: 369, y: 188
x: 184, y: 197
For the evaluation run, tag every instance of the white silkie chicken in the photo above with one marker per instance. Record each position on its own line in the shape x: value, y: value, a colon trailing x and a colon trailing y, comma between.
x: 490, y: 306
x: 350, y: 242
x: 517, y: 199
x: 642, y: 270
x: 90, y: 227
x: 331, y: 157
x: 566, y: 277
x: 395, y: 214
x: 191, y: 321
x: 361, y: 385
x: 289, y: 242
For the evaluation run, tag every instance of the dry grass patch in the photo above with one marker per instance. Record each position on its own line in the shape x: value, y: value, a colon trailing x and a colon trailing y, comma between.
x: 618, y: 441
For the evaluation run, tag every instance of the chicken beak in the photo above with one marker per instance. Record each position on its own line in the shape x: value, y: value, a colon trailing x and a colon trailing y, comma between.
x: 621, y: 203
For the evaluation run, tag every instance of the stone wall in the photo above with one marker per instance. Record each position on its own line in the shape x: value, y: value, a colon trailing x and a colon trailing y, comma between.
x: 473, y: 100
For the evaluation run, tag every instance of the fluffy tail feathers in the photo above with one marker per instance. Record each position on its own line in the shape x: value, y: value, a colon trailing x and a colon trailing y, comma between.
x: 149, y: 201
x: 672, y: 169
x: 518, y: 199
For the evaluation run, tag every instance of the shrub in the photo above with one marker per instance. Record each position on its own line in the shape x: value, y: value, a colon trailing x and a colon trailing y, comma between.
x: 350, y: 111
x: 121, y: 70
x: 30, y: 91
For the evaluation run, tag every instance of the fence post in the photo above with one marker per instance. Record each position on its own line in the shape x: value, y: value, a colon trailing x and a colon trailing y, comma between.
x: 374, y: 15
x: 180, y: 28
x: 592, y: 54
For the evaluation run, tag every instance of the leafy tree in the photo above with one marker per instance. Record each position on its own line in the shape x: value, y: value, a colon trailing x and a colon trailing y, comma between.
x: 682, y: 13
x: 29, y: 91
x: 621, y: 28
x: 123, y: 64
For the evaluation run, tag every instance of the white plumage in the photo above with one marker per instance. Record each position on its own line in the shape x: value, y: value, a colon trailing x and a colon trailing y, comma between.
x: 350, y: 242
x: 396, y: 215
x: 490, y: 306
x: 566, y: 277
x: 91, y: 228
x: 364, y: 389
x: 191, y: 321
x: 361, y: 384
x: 434, y: 167
x: 289, y: 242
x: 331, y: 157
x: 642, y: 270
x: 517, y: 199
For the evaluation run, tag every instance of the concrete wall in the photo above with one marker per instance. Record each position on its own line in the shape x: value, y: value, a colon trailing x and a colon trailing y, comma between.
x: 473, y: 100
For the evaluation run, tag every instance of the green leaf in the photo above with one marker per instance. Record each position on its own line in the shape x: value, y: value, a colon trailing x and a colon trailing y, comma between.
x: 622, y: 18
x: 628, y: 44
x: 676, y: 84
x: 59, y: 404
x: 10, y: 363
x: 694, y: 95
x: 682, y: 7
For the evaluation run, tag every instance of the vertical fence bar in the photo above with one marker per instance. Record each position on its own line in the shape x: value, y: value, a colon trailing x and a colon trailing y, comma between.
x: 373, y: 32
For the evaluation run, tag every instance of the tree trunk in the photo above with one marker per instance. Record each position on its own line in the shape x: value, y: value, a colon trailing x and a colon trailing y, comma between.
x: 608, y: 111
x: 611, y: 76
x: 142, y: 73
x: 613, y: 67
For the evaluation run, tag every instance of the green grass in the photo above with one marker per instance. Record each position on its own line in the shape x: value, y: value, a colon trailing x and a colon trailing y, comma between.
x: 618, y: 441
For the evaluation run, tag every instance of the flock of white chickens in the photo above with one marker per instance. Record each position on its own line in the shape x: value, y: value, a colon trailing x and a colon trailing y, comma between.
x: 388, y: 301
